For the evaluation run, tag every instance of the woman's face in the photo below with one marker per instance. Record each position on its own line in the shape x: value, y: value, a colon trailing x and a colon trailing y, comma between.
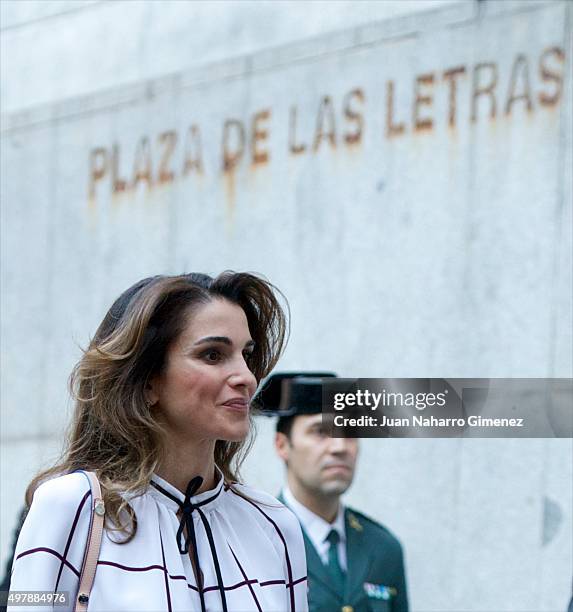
x: 206, y: 386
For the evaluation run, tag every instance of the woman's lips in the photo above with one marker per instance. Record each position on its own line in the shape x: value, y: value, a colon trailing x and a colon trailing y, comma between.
x: 237, y: 403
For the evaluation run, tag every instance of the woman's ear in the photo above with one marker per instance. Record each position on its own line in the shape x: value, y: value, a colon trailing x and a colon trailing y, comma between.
x: 152, y: 392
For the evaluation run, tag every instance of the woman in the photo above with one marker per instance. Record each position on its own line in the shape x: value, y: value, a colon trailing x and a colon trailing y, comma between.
x: 162, y: 411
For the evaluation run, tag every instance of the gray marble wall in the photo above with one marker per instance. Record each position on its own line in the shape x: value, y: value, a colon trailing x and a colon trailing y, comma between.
x: 402, y: 174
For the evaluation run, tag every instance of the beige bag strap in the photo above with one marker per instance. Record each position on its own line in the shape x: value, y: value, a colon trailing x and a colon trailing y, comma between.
x: 91, y: 556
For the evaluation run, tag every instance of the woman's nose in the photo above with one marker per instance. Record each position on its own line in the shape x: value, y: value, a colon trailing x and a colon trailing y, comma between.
x: 242, y: 376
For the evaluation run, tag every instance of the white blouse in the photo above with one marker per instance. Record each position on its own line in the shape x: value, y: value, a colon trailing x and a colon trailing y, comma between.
x: 250, y: 551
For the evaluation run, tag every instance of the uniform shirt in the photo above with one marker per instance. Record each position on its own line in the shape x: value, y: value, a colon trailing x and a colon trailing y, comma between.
x: 256, y: 543
x: 317, y: 529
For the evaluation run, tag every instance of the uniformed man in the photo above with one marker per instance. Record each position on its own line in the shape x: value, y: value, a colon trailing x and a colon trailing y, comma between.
x: 354, y: 563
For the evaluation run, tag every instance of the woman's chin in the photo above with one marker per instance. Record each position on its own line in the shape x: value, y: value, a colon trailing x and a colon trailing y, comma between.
x: 237, y: 433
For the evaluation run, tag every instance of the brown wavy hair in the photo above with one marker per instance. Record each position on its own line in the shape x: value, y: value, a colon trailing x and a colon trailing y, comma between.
x: 113, y: 431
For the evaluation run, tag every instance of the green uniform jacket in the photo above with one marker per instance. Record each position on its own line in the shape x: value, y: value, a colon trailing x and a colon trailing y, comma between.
x: 375, y: 580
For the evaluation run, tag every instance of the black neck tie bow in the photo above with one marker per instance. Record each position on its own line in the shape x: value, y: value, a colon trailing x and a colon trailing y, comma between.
x: 187, y: 508
x: 184, y: 543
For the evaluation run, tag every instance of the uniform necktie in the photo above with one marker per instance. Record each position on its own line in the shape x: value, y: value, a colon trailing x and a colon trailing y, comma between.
x: 334, y: 568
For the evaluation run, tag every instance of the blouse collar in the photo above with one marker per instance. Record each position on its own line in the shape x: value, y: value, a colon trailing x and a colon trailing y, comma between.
x: 173, y: 498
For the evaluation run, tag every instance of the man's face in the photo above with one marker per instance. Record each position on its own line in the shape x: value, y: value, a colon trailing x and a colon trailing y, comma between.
x: 319, y: 464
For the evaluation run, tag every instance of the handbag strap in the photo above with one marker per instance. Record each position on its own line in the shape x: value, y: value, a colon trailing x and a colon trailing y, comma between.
x: 91, y: 556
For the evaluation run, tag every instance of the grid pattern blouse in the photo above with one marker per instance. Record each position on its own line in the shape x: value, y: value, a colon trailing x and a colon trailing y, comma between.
x: 249, y: 549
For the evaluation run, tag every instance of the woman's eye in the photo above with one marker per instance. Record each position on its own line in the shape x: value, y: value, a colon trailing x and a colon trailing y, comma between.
x: 212, y: 355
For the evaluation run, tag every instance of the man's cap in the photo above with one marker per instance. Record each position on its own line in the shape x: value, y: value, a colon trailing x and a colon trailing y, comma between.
x: 292, y: 393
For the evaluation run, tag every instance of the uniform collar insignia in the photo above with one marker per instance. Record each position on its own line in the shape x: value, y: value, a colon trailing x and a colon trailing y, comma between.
x: 354, y: 522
